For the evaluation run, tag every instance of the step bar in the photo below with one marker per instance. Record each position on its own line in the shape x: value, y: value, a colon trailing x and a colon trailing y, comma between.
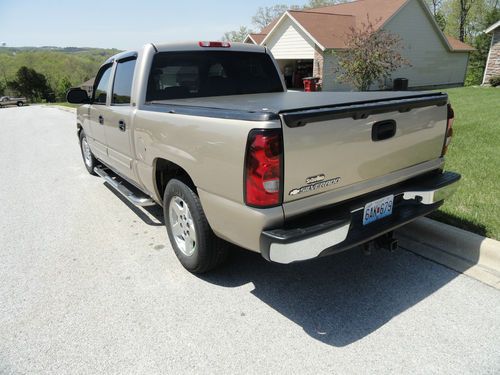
x: 134, y: 198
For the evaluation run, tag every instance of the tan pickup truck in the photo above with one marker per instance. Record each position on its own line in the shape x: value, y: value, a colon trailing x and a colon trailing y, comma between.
x: 208, y: 131
x: 10, y: 100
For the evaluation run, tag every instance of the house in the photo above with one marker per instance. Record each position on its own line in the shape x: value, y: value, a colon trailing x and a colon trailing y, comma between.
x: 88, y: 86
x: 493, y: 62
x: 303, y: 42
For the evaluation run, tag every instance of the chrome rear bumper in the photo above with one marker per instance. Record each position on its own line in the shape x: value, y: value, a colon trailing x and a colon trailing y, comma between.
x: 339, y: 228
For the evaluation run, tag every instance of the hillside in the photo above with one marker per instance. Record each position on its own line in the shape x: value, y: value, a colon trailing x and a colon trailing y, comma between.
x: 77, y: 64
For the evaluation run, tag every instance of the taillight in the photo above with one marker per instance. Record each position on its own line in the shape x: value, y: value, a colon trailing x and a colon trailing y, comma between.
x: 449, y: 129
x: 263, y: 168
x: 215, y: 44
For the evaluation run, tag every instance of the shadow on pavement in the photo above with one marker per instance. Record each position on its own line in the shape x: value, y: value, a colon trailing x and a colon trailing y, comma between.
x: 151, y: 215
x: 337, y: 299
x: 341, y: 298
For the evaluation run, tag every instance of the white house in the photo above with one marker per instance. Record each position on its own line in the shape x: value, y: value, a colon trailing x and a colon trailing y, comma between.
x: 303, y: 42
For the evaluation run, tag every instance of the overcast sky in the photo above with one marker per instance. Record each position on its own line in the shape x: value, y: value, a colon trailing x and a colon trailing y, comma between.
x: 122, y: 24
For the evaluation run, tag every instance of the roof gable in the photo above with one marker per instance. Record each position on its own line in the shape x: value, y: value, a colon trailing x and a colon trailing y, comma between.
x: 492, y: 27
x: 327, y: 29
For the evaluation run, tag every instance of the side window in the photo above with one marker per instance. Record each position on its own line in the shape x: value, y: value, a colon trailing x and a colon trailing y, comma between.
x: 122, y: 86
x: 101, y: 85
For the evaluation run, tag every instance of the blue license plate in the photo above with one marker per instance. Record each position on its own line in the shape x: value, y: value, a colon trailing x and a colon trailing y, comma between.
x: 378, y: 209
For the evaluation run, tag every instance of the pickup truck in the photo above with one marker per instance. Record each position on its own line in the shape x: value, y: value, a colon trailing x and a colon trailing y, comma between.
x: 9, y: 100
x: 208, y: 131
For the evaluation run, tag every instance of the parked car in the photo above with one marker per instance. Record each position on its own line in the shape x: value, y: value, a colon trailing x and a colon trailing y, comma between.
x: 9, y: 100
x: 208, y: 131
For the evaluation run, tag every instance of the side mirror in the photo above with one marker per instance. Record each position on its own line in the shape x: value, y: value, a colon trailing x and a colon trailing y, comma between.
x: 77, y: 96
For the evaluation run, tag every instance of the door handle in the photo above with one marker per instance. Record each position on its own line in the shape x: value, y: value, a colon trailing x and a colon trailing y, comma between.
x: 383, y: 130
x: 101, y: 120
x: 122, y: 126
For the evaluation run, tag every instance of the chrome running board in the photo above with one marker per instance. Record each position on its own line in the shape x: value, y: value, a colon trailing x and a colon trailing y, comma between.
x: 134, y: 198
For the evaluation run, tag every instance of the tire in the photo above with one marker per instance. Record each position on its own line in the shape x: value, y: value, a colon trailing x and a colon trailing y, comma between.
x: 89, y: 159
x: 196, y: 246
x: 20, y: 104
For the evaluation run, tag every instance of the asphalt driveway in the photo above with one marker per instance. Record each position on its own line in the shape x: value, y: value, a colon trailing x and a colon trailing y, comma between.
x: 89, y: 284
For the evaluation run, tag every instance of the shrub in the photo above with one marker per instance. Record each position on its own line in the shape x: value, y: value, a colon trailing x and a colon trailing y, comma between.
x: 495, y: 81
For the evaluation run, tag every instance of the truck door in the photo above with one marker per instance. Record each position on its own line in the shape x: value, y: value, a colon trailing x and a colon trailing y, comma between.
x: 118, y: 124
x: 98, y: 111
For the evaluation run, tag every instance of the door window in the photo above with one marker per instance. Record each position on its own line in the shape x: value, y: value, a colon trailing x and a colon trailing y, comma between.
x: 101, y: 85
x: 122, y: 85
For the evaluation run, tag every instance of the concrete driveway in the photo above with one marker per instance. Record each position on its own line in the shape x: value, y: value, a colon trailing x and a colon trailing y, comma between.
x: 89, y: 285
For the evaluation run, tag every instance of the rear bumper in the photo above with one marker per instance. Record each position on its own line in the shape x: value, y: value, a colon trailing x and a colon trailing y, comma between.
x: 339, y: 227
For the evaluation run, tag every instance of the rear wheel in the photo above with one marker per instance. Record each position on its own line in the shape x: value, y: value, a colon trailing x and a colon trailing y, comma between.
x: 20, y: 104
x: 196, y: 246
x: 88, y: 158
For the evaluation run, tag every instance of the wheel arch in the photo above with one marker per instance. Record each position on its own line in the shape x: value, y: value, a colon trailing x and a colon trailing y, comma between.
x: 79, y: 129
x: 164, y: 170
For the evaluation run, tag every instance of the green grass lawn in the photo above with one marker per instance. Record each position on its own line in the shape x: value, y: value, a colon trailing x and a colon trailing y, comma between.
x: 475, y: 154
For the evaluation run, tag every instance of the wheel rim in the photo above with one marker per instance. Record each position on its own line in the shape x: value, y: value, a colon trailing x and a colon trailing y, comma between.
x: 87, y: 154
x: 182, y: 226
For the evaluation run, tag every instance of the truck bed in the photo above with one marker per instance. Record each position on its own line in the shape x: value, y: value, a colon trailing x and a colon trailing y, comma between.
x: 337, y: 138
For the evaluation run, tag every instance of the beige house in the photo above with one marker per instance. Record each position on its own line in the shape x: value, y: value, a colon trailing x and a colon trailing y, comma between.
x: 493, y: 62
x: 303, y: 42
x: 88, y: 86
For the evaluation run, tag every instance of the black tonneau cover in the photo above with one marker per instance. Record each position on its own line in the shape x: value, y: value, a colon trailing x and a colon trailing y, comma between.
x: 300, y: 108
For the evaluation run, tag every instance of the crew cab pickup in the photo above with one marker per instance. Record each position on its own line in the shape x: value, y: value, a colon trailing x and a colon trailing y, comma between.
x: 208, y: 131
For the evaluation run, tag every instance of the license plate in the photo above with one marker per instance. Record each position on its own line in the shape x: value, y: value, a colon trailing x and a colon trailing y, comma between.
x: 378, y: 209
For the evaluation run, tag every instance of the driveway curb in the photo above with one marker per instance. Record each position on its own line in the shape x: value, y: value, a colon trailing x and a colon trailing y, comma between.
x: 63, y: 108
x: 465, y: 252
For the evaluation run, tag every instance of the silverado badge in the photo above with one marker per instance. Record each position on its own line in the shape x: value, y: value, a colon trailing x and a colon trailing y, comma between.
x: 315, y: 183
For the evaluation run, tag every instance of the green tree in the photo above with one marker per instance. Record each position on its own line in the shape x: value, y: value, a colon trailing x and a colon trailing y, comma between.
x: 2, y: 88
x: 265, y: 15
x: 464, y: 18
x: 237, y: 35
x: 370, y: 54
x: 477, y: 58
x: 323, y: 3
x: 62, y: 88
x: 31, y: 84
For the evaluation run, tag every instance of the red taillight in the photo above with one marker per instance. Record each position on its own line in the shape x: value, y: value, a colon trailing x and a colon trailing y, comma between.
x: 263, y: 179
x: 215, y: 44
x: 449, y: 129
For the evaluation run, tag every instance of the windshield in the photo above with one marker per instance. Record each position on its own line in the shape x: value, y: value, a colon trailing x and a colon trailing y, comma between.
x: 177, y: 75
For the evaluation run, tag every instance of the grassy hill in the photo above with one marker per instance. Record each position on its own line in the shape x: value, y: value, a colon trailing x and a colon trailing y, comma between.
x: 77, y: 64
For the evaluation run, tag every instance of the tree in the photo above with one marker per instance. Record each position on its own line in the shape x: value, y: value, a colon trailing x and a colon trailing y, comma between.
x: 436, y: 9
x: 237, y: 35
x: 369, y: 55
x: 477, y: 58
x: 63, y: 86
x: 2, y: 88
x: 31, y: 84
x: 265, y: 15
x: 465, y: 6
x: 435, y: 5
x: 323, y: 3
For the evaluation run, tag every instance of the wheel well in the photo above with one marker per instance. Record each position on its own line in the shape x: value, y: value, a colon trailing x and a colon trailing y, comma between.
x: 166, y: 170
x: 78, y: 130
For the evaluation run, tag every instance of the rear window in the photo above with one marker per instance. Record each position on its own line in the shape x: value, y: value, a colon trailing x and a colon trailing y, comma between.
x: 178, y: 75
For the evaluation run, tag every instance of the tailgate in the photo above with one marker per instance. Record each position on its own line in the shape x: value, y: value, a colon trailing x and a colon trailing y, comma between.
x: 332, y: 147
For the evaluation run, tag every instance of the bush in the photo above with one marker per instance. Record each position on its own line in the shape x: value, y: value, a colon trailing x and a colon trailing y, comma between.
x: 495, y: 81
